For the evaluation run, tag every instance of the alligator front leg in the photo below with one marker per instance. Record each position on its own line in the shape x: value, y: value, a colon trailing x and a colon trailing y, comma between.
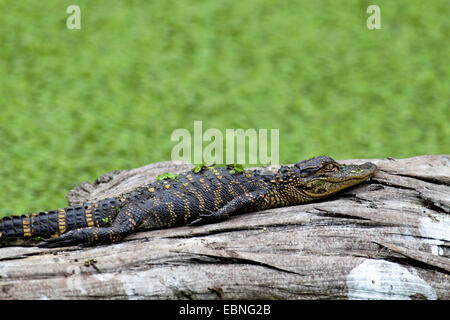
x: 249, y: 201
x: 129, y: 217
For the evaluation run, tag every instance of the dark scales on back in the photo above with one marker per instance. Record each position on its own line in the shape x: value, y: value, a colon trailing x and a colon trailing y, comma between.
x: 211, y: 195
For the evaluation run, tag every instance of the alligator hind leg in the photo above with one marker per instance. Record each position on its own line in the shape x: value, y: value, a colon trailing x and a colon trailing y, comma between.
x: 250, y: 201
x: 129, y: 218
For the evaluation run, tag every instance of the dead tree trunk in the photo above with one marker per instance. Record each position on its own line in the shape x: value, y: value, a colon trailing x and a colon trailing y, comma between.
x: 385, y: 239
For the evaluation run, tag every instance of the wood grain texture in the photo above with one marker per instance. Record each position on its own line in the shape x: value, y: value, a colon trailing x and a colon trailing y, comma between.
x: 388, y: 238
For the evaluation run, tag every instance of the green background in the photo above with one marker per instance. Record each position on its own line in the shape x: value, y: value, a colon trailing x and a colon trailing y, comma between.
x: 78, y: 103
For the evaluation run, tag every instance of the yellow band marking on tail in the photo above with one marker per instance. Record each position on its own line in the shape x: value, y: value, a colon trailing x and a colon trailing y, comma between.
x: 88, y: 215
x: 61, y: 221
x: 26, y: 227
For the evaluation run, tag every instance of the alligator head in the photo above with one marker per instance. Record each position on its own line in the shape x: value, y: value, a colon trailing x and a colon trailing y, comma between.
x: 322, y: 176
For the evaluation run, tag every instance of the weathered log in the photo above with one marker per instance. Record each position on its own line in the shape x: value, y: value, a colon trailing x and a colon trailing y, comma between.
x: 388, y: 238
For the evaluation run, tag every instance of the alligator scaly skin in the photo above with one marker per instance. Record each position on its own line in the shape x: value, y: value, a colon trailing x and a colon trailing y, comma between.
x: 211, y: 195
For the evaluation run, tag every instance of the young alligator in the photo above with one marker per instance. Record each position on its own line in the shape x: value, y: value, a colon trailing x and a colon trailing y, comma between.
x: 208, y: 196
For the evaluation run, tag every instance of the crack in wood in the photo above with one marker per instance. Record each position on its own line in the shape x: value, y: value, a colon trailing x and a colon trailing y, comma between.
x: 424, y: 179
x: 434, y: 205
x: 414, y: 260
x: 235, y: 260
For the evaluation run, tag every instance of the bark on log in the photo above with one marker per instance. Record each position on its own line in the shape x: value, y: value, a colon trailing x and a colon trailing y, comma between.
x: 385, y: 239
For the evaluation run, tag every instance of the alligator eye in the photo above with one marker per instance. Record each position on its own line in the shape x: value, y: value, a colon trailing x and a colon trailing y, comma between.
x: 330, y: 167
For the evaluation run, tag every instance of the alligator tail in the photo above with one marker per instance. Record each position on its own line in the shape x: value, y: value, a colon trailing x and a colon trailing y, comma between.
x: 30, y: 228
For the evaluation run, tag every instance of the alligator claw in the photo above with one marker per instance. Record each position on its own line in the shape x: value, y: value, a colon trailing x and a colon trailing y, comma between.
x: 203, y: 218
x: 57, y: 242
x: 196, y: 222
x: 71, y: 238
x: 212, y: 217
x: 51, y: 244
